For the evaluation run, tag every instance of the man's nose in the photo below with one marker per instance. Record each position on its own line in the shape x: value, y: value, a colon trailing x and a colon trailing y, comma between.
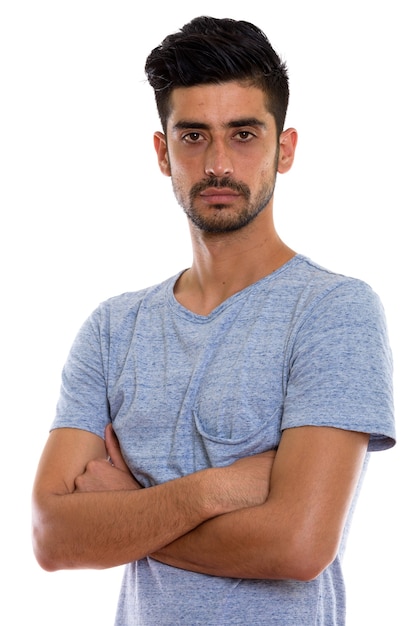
x: 218, y: 160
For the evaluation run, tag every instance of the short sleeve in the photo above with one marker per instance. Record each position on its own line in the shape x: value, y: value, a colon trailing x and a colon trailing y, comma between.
x: 83, y: 396
x: 340, y: 366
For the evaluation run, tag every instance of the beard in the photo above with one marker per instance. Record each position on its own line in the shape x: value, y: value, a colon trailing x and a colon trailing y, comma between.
x: 223, y: 218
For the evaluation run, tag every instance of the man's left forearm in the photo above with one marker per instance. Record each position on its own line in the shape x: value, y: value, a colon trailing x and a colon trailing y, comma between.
x: 296, y: 532
x: 241, y: 544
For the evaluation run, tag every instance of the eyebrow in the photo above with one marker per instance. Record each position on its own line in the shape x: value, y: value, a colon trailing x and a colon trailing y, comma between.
x: 245, y: 121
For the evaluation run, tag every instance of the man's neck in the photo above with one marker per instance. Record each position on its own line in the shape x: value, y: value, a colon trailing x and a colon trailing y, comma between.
x: 226, y: 264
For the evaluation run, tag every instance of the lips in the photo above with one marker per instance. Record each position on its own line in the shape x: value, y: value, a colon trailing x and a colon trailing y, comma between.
x: 219, y: 191
x: 219, y: 196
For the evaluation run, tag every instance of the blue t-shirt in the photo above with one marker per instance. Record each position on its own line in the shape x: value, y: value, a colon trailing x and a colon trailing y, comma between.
x: 302, y: 346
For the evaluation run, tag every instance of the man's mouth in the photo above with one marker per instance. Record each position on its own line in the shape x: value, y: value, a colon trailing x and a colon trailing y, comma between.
x: 219, y: 196
x: 219, y: 192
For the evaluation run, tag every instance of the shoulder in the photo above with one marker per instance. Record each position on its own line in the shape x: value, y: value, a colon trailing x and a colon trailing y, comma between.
x: 340, y: 361
x: 321, y: 280
x: 120, y: 309
x: 316, y: 290
x: 115, y: 319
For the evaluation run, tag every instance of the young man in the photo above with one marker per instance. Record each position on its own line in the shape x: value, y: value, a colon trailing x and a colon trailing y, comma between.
x: 212, y: 431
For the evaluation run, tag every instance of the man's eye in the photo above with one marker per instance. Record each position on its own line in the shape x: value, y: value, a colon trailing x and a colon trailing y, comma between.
x: 244, y: 135
x: 192, y: 137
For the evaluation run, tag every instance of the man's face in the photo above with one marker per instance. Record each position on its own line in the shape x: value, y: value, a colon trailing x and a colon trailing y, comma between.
x: 221, y: 150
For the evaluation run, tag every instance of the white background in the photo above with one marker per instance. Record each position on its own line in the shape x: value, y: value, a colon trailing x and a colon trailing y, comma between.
x: 86, y: 214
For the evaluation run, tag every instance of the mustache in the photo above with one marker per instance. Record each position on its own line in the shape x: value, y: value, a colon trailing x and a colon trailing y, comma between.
x: 220, y: 183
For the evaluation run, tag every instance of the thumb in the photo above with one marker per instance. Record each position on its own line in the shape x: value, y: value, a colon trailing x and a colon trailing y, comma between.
x: 113, y: 449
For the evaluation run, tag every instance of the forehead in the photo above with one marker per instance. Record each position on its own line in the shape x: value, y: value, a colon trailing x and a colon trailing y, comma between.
x: 218, y: 104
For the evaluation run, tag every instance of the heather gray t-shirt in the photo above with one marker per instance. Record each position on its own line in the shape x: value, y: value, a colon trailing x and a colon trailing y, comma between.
x: 302, y: 346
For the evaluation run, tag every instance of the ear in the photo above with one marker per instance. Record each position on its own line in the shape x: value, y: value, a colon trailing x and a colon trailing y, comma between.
x: 287, y: 147
x: 160, y: 145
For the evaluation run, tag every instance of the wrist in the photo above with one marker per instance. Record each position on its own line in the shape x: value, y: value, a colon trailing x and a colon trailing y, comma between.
x: 219, y: 493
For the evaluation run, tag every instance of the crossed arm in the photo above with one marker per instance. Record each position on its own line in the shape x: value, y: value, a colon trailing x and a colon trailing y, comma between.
x: 270, y: 516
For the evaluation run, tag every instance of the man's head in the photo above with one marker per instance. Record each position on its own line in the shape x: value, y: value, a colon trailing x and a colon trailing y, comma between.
x: 212, y: 51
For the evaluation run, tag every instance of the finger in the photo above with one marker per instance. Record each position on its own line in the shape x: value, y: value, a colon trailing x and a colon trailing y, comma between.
x: 113, y: 449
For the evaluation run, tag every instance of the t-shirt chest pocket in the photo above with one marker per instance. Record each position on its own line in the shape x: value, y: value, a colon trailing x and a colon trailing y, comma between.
x: 238, y: 409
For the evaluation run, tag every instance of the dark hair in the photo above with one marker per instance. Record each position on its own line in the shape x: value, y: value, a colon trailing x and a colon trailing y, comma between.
x: 210, y: 50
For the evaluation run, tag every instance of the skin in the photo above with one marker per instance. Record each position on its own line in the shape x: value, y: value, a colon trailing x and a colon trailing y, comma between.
x: 225, y: 262
x: 273, y: 516
x: 88, y: 513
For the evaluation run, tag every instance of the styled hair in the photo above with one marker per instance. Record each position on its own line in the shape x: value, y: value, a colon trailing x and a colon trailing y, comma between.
x: 209, y: 50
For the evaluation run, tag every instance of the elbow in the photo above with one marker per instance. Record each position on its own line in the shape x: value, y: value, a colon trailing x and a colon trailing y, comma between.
x: 45, y: 541
x: 312, y: 557
x: 303, y: 560
x: 45, y: 557
x: 44, y: 549
x: 307, y: 568
x: 50, y: 554
x: 56, y: 548
x: 46, y: 563
x: 312, y: 548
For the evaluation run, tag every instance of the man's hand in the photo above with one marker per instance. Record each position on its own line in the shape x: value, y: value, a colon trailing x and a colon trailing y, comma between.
x: 247, y: 480
x: 90, y: 513
x: 111, y: 474
x: 297, y: 531
x: 250, y: 478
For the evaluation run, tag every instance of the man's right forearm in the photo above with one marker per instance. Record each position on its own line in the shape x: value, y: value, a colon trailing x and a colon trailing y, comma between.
x: 109, y: 528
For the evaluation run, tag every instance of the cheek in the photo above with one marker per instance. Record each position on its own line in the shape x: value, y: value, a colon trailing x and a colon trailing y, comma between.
x: 177, y: 178
x: 265, y: 169
x: 185, y: 173
x: 180, y: 184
